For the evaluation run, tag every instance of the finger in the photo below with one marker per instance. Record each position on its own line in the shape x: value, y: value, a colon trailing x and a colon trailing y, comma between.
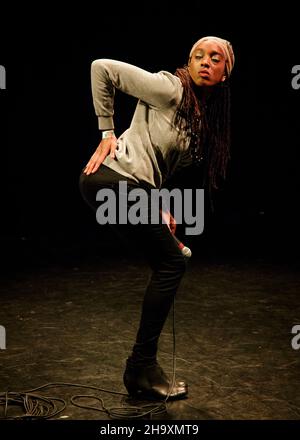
x: 95, y: 167
x: 113, y: 149
x: 89, y: 165
x: 87, y: 169
x: 112, y: 153
x: 98, y: 162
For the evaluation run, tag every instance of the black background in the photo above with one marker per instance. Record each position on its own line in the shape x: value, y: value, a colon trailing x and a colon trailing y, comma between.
x: 49, y: 128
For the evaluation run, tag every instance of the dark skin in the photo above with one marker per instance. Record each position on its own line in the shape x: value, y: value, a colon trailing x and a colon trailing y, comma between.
x: 207, y: 65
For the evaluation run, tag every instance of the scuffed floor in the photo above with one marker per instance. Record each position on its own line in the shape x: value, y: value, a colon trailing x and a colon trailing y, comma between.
x: 76, y: 323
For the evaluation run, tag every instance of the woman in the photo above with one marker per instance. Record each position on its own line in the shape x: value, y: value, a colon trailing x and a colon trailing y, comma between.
x: 180, y: 120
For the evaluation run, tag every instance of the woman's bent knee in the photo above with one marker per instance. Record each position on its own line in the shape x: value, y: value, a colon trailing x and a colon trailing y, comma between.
x: 177, y: 264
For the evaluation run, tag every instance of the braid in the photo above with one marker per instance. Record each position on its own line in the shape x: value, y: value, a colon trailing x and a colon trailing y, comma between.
x: 207, y: 127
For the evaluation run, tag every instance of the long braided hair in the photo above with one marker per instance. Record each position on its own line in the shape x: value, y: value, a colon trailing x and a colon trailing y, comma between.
x: 207, y: 125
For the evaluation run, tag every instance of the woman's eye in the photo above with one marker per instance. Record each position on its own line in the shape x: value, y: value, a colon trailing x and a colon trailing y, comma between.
x: 215, y: 60
x: 198, y: 56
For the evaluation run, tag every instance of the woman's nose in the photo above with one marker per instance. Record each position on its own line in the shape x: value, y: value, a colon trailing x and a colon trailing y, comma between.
x: 205, y: 61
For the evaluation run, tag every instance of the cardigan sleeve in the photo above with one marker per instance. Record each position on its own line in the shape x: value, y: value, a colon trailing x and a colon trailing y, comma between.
x: 158, y: 90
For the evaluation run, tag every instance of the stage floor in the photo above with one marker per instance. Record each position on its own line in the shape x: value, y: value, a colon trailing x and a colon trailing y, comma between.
x: 76, y: 323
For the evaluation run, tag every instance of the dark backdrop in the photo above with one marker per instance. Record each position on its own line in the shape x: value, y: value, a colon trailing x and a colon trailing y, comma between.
x: 49, y: 128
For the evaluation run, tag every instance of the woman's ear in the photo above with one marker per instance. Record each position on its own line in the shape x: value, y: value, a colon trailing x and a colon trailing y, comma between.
x: 223, y: 78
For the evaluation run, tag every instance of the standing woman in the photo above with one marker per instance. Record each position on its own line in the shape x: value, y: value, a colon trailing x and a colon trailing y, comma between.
x: 181, y: 119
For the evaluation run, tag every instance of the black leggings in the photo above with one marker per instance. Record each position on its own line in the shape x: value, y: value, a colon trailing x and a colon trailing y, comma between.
x: 157, y: 244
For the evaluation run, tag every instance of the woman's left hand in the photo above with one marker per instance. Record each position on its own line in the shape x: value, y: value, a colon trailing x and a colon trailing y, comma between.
x: 169, y: 220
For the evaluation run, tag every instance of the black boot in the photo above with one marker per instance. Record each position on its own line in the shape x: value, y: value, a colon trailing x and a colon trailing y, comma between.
x: 150, y: 382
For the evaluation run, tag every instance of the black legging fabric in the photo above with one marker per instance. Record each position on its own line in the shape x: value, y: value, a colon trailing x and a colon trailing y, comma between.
x: 157, y: 244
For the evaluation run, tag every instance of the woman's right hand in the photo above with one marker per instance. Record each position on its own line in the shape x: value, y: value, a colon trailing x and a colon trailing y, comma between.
x: 107, y: 146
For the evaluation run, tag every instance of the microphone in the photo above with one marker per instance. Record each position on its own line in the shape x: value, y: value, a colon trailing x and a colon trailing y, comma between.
x: 184, y: 249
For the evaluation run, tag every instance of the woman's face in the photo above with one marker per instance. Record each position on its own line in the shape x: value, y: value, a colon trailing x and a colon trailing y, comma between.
x: 207, y: 64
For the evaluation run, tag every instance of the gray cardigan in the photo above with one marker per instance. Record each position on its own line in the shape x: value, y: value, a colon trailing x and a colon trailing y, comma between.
x: 149, y: 149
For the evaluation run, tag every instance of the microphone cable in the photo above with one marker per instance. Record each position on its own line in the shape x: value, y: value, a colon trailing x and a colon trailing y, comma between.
x: 37, y: 406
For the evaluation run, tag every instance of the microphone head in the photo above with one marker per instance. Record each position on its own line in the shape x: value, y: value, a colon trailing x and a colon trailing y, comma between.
x: 186, y: 251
